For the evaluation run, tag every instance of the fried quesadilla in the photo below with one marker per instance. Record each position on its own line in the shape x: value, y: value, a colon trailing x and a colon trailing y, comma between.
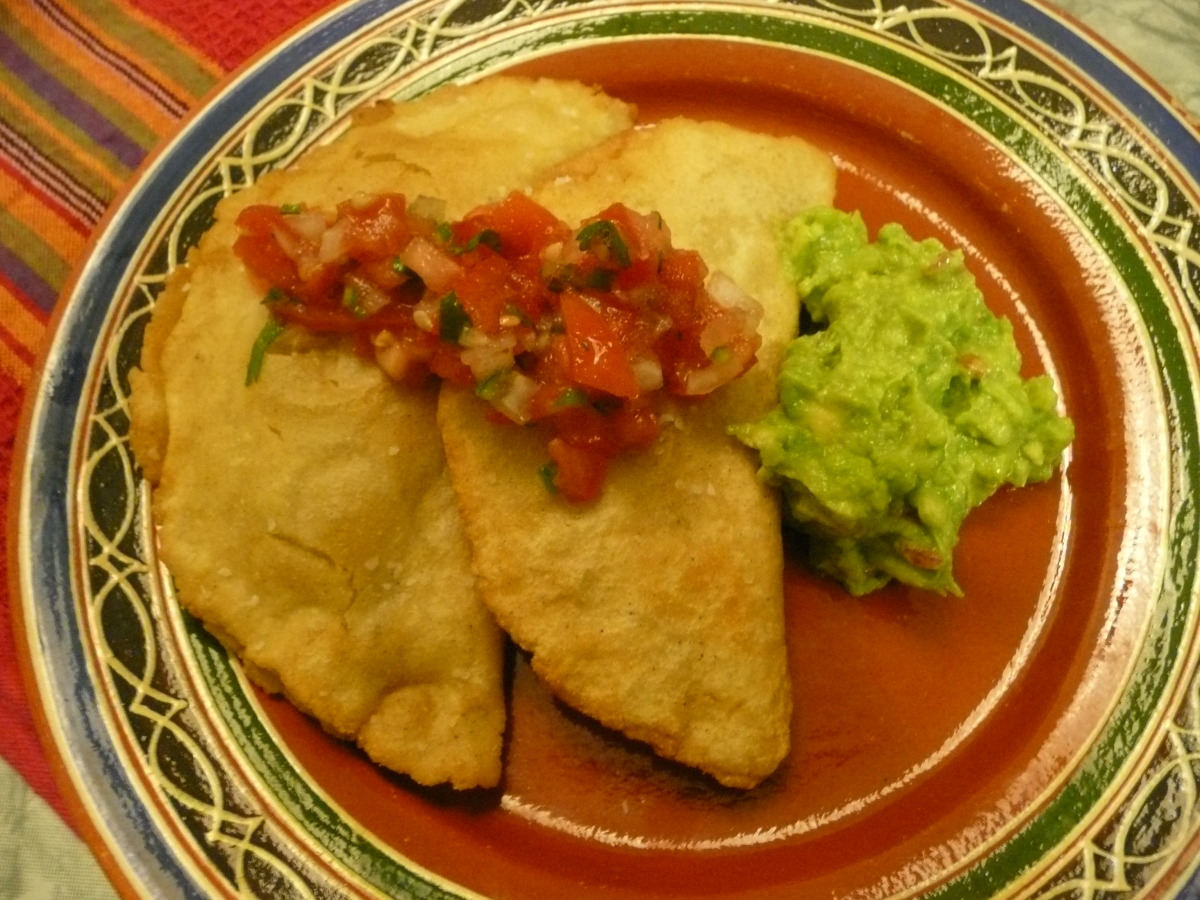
x: 657, y: 609
x: 307, y: 518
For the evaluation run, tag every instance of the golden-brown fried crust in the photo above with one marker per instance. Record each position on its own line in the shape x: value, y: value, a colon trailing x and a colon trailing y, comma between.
x: 658, y: 609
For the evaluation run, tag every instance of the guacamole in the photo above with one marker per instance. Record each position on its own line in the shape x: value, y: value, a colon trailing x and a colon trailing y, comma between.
x: 901, y: 405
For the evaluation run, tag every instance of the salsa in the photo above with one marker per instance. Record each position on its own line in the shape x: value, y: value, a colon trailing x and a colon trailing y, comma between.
x: 580, y: 330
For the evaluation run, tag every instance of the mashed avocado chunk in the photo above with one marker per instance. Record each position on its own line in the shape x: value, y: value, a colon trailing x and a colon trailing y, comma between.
x: 901, y: 408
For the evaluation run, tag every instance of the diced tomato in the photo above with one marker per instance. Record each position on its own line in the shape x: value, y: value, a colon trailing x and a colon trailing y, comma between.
x: 598, y: 358
x: 447, y: 363
x: 259, y: 219
x: 551, y: 369
x: 379, y: 226
x: 397, y: 317
x: 267, y: 260
x: 646, y: 236
x: 256, y: 246
x: 483, y: 290
x: 636, y: 426
x: 585, y: 426
x: 641, y: 271
x: 683, y: 270
x: 523, y: 226
x: 386, y: 273
x: 578, y: 471
x: 530, y: 299
x: 628, y: 426
x: 317, y: 318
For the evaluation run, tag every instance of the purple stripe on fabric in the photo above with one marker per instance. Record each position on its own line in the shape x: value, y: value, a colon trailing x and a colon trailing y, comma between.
x: 126, y: 67
x: 69, y: 104
x: 27, y: 281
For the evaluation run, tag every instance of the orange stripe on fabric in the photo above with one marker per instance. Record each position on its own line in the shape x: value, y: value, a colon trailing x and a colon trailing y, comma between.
x: 42, y: 211
x: 20, y: 327
x: 20, y: 340
x: 14, y: 366
x: 58, y: 229
x: 86, y: 68
x: 109, y: 30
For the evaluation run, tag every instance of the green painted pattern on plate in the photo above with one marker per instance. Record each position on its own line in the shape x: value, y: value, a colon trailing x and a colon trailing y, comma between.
x: 290, y: 788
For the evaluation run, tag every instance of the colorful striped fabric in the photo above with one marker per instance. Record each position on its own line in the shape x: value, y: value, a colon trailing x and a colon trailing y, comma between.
x: 87, y: 89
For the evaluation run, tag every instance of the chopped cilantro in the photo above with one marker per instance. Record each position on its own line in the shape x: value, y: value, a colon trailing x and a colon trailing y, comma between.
x: 453, y: 319
x: 572, y: 396
x: 353, y: 302
x: 548, y: 473
x: 487, y: 237
x: 605, y: 234
x: 490, y: 387
x: 270, y: 331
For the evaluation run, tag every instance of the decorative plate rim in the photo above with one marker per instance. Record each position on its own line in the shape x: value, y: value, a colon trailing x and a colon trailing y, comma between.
x: 72, y: 380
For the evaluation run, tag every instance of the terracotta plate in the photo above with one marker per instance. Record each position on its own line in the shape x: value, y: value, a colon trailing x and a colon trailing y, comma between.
x: 1037, y: 737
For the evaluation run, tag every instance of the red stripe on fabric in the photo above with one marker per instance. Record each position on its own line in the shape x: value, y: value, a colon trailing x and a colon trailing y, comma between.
x: 54, y: 186
x: 19, y: 173
x: 18, y: 348
x: 222, y: 31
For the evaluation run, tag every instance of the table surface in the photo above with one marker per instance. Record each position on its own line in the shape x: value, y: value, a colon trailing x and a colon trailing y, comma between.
x: 87, y: 88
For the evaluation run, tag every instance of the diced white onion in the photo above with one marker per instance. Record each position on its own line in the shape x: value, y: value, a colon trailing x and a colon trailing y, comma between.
x: 425, y: 207
x: 704, y: 381
x: 309, y: 225
x: 371, y: 297
x: 729, y: 294
x: 333, y: 242
x: 289, y: 242
x: 648, y: 373
x: 720, y: 331
x: 475, y: 337
x: 514, y: 402
x: 399, y: 361
x: 436, y: 269
x: 487, y: 359
x: 425, y: 313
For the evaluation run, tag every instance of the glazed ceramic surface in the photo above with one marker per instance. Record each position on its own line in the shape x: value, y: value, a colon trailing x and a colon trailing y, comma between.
x: 1036, y: 737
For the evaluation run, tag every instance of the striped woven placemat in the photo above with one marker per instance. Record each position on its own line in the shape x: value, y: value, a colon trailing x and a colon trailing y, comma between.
x: 87, y: 89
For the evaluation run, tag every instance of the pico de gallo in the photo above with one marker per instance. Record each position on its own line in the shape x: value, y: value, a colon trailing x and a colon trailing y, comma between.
x: 582, y: 329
